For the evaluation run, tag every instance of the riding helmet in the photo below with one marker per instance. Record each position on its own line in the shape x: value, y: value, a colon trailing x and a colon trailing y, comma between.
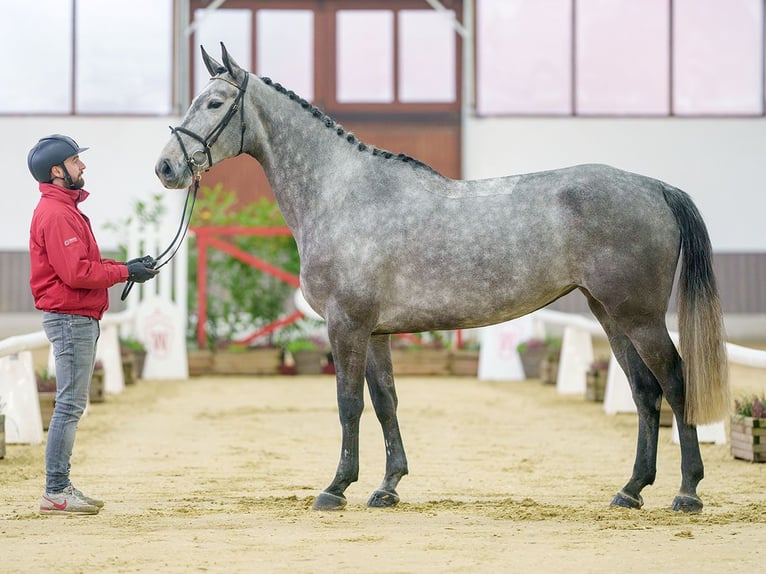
x: 50, y: 151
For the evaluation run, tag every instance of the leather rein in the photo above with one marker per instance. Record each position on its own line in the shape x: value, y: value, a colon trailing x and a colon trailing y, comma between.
x: 195, y: 162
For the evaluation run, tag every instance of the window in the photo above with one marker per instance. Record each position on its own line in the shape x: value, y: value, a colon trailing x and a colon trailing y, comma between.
x: 620, y: 57
x: 718, y: 57
x: 524, y: 52
x: 120, y: 62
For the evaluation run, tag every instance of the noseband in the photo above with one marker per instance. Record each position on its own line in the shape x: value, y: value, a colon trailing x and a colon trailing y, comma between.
x: 195, y: 162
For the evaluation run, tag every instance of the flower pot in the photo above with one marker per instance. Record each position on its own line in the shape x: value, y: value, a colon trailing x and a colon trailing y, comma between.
x: 531, y: 360
x: 748, y: 438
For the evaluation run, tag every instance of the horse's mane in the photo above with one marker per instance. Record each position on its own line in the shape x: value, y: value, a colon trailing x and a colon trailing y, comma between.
x: 340, y: 131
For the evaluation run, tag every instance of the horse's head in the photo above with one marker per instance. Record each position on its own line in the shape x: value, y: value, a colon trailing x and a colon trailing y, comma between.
x: 213, y: 128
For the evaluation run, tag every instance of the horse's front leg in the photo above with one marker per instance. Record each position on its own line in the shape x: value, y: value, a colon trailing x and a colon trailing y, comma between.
x: 349, y: 356
x: 380, y: 381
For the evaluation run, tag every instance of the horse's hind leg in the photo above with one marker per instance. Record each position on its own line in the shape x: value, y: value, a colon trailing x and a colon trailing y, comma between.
x: 653, y: 344
x: 647, y: 396
x: 651, y: 361
x: 380, y: 381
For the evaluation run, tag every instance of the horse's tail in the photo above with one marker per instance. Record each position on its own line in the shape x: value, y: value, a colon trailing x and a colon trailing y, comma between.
x: 702, y: 342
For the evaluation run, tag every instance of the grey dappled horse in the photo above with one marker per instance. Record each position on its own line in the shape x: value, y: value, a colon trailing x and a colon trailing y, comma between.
x: 388, y: 245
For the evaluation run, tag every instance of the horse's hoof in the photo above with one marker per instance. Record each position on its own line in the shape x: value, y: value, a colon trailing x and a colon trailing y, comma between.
x: 383, y: 499
x: 327, y: 501
x: 686, y: 503
x: 626, y: 501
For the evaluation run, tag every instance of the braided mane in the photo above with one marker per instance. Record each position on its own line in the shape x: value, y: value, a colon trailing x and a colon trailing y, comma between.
x: 340, y: 131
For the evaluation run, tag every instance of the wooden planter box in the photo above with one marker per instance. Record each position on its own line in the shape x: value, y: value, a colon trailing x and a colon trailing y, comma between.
x: 420, y: 361
x: 265, y: 361
x: 129, y: 374
x: 464, y: 363
x: 748, y: 438
x: 595, y: 384
x: 200, y: 362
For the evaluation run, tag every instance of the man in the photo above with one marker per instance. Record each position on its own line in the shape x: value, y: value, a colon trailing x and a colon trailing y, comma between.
x: 69, y: 282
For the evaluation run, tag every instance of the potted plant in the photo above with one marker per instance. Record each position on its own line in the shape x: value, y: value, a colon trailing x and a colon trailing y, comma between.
x: 748, y: 428
x: 308, y: 355
x: 531, y: 352
x: 595, y: 380
x: 133, y: 354
x: 46, y: 394
x: 242, y: 298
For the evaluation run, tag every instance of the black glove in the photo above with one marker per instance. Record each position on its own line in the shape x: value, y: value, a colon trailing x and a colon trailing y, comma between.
x: 147, y: 260
x: 138, y: 271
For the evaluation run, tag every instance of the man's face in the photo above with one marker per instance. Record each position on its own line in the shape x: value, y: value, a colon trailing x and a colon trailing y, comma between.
x: 75, y: 167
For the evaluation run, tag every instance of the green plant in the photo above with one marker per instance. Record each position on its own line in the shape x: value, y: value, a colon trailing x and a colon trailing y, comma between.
x: 132, y: 345
x: 751, y: 406
x: 46, y: 381
x: 241, y: 298
x: 550, y: 343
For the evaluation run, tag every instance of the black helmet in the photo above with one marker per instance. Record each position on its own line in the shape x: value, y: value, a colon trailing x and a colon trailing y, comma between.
x: 50, y: 151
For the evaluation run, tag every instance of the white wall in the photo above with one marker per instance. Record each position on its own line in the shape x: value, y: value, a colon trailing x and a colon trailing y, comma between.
x: 120, y: 169
x: 719, y: 162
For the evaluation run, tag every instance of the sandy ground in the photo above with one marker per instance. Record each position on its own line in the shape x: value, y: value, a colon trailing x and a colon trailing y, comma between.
x: 218, y: 475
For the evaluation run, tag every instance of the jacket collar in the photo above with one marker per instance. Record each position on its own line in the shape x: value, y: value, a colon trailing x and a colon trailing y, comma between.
x: 53, y: 191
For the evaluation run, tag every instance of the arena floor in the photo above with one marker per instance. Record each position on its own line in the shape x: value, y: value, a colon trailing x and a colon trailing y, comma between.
x: 219, y: 474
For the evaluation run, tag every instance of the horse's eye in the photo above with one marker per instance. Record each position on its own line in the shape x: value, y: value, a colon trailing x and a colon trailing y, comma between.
x: 214, y: 104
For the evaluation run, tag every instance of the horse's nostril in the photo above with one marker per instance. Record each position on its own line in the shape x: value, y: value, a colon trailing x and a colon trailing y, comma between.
x: 166, y: 170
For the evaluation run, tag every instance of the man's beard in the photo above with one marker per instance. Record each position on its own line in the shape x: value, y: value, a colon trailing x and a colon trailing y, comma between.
x: 78, y: 183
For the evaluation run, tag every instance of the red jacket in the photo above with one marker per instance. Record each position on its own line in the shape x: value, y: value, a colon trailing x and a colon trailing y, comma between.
x: 67, y: 273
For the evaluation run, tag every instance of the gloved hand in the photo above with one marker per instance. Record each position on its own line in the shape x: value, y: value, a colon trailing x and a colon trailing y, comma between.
x: 147, y: 260
x: 139, y: 271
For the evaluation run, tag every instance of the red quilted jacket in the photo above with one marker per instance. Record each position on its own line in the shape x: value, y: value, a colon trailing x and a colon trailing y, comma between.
x: 67, y: 272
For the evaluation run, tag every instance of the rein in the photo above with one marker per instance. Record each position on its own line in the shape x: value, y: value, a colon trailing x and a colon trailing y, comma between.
x: 195, y: 163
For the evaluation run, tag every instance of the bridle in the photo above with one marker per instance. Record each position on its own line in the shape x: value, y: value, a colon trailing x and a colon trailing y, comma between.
x: 195, y: 162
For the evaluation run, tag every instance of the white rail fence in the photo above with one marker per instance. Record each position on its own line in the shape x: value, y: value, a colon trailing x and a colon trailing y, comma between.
x: 155, y: 315
x: 157, y: 320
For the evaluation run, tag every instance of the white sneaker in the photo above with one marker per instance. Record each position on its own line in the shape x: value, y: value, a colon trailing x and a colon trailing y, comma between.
x: 87, y: 499
x: 65, y: 502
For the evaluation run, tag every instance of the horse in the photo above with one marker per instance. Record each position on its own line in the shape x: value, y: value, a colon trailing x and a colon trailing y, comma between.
x: 388, y: 245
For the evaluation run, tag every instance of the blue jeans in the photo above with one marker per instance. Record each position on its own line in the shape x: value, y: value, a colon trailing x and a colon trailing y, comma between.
x: 73, y: 338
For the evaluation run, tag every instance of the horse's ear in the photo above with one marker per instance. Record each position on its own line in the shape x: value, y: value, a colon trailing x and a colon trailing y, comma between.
x: 213, y: 67
x: 228, y: 61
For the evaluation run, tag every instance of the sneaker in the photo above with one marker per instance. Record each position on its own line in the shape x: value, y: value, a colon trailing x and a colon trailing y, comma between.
x: 85, y: 498
x: 65, y: 502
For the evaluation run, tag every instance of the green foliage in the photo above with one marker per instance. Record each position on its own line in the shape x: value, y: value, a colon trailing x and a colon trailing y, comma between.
x: 131, y: 344
x: 240, y: 297
x: 552, y: 344
x: 751, y: 406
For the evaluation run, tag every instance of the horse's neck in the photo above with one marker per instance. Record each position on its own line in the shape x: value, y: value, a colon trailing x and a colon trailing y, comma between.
x: 296, y: 150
